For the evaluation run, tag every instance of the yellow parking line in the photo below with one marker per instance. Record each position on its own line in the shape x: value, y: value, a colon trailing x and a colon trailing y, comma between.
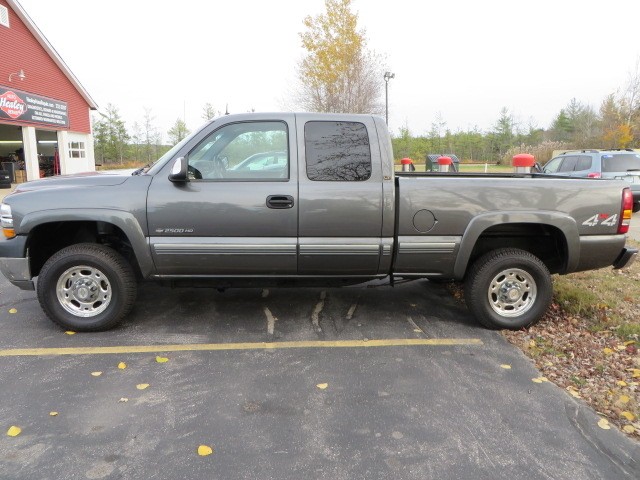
x: 199, y: 347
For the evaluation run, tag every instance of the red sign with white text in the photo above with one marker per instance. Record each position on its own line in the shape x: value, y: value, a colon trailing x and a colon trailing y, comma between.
x: 19, y: 106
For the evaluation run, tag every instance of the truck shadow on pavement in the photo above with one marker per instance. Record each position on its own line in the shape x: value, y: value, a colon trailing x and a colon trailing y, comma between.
x: 414, y: 310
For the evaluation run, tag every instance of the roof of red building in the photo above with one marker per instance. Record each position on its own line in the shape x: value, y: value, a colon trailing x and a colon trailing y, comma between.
x: 42, y: 40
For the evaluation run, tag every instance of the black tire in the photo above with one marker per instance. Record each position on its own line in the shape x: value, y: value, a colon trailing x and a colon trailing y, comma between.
x: 508, y: 288
x: 91, y: 272
x: 636, y: 207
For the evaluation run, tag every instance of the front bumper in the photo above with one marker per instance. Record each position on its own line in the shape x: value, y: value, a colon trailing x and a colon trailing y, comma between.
x: 14, y: 263
x: 626, y: 258
x: 17, y: 272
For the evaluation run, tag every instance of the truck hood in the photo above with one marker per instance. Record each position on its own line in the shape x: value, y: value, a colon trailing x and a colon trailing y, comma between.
x: 88, y: 179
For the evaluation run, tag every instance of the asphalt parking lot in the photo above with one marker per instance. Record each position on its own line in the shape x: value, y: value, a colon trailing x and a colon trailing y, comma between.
x: 363, y: 382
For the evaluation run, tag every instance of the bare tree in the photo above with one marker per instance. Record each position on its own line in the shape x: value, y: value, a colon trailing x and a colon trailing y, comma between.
x: 630, y: 99
x: 209, y: 112
x: 151, y: 135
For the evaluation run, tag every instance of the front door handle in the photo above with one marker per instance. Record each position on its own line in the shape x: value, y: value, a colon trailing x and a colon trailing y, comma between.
x: 280, y: 201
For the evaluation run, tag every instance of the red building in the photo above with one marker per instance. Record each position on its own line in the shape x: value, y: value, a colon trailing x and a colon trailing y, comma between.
x: 45, y: 124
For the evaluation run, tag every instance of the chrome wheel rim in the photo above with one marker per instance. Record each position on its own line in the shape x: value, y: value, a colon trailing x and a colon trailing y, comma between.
x: 512, y: 292
x: 84, y: 291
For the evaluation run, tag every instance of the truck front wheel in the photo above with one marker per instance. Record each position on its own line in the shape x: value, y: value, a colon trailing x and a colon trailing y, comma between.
x: 86, y: 287
x: 508, y: 288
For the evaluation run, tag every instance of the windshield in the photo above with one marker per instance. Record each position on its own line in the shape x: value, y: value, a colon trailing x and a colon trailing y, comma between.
x: 620, y: 162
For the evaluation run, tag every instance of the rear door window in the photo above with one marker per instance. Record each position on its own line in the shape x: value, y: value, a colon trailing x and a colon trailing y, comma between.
x: 569, y: 164
x: 584, y: 163
x: 337, y: 151
x: 620, y: 162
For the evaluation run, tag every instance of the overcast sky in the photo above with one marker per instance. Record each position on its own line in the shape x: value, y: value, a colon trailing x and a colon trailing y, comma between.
x: 463, y: 58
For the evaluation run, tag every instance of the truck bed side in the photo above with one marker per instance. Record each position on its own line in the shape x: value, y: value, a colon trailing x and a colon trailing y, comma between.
x: 447, y: 221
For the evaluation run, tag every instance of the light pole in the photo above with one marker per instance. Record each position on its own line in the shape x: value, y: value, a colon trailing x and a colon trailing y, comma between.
x: 387, y: 76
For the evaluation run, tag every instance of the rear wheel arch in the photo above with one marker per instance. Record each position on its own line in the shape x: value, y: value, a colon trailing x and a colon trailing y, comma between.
x: 552, y: 237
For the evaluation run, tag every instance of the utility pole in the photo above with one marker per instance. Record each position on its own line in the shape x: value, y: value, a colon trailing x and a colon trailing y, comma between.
x: 387, y: 76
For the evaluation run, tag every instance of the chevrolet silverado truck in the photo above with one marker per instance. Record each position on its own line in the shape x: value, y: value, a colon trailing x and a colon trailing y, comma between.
x: 306, y: 199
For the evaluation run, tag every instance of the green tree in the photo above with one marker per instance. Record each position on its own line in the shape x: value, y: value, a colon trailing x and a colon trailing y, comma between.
x: 111, y: 137
x: 338, y: 73
x: 561, y: 127
x: 178, y: 131
x: 403, y: 143
x: 503, y: 133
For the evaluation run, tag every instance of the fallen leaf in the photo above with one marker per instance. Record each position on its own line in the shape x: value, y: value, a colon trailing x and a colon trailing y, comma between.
x: 96, y: 374
x: 532, y: 343
x: 53, y: 414
x: 635, y: 372
x: 628, y: 429
x: 607, y: 351
x: 14, y: 431
x: 624, y: 399
x: 142, y: 386
x: 622, y: 383
x: 123, y: 400
x: 204, y: 450
x: 575, y: 394
x: 536, y: 380
x: 505, y: 366
x: 162, y: 359
x: 604, y: 424
x: 630, y: 342
x: 70, y: 332
x: 628, y: 415
x: 13, y: 310
x: 621, y: 347
x: 417, y: 330
x: 122, y: 365
x: 322, y: 386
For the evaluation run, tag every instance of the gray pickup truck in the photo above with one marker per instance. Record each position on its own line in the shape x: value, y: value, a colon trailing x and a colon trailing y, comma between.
x: 307, y: 199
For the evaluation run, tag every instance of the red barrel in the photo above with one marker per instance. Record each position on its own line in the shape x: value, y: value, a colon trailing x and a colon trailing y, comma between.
x: 444, y: 163
x: 523, y: 162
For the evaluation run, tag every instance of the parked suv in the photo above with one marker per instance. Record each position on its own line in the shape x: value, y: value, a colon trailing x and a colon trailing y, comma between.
x: 618, y: 164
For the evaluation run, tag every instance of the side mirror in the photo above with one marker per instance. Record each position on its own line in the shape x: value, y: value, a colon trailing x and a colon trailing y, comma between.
x: 179, y: 170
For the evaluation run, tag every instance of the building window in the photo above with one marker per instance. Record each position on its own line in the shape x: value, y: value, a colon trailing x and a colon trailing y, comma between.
x: 337, y: 151
x: 77, y: 150
x: 4, y: 16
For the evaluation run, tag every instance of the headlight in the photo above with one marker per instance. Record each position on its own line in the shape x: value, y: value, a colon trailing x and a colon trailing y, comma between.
x: 6, y: 221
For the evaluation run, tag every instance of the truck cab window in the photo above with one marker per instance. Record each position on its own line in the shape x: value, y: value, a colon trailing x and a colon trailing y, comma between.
x: 337, y: 151
x: 242, y: 152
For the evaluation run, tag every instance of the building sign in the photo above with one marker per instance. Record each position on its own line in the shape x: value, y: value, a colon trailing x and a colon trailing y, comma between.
x: 23, y: 107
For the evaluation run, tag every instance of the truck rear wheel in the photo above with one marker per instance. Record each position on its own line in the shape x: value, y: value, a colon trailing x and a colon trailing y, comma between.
x: 86, y: 287
x: 508, y: 288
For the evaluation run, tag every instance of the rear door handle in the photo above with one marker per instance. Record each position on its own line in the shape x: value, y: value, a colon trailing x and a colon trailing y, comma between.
x: 280, y: 201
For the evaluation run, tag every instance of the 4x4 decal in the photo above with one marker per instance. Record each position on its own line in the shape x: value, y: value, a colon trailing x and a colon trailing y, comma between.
x: 607, y: 220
